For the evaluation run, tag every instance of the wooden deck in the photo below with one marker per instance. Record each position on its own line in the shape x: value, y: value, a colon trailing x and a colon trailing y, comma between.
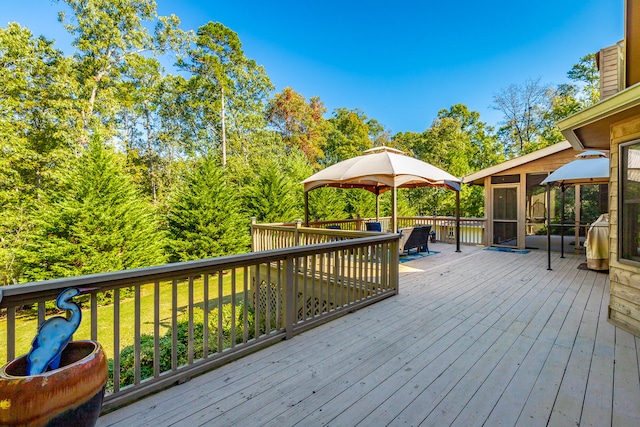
x: 474, y: 338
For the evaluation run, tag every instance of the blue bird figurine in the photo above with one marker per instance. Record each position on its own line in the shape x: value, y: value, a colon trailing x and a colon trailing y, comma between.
x: 54, y: 335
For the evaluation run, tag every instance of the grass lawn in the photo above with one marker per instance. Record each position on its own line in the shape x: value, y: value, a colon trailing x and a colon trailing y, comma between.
x: 26, y: 323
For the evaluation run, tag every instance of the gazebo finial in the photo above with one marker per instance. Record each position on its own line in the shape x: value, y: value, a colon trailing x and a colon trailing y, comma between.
x: 382, y: 148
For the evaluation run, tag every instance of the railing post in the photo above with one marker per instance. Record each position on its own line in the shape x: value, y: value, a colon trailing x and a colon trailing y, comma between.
x: 253, y: 235
x: 296, y: 236
x: 394, y: 262
x: 289, y: 296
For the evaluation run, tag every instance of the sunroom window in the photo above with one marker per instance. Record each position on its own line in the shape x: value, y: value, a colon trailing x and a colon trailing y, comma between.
x: 629, y: 215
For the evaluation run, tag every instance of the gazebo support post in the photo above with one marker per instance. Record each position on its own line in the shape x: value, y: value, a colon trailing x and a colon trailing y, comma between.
x: 548, y: 226
x: 458, y: 221
x: 306, y: 208
x: 562, y: 188
x: 377, y: 203
x: 394, y: 205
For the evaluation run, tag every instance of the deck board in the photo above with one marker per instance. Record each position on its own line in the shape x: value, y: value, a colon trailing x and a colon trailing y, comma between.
x: 473, y: 338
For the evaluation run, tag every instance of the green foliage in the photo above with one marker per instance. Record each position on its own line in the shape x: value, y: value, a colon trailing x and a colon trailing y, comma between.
x: 271, y: 196
x: 127, y: 354
x: 586, y: 72
x: 348, y: 135
x: 360, y: 203
x: 327, y: 204
x: 205, y: 220
x: 99, y: 223
x: 106, y: 33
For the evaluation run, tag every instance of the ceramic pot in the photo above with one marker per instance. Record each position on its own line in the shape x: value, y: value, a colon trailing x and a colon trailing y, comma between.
x: 70, y: 395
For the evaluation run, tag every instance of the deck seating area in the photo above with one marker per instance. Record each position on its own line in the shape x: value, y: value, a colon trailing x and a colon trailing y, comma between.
x: 477, y: 337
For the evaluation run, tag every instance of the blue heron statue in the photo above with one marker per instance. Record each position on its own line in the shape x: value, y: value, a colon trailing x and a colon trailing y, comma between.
x: 53, y: 335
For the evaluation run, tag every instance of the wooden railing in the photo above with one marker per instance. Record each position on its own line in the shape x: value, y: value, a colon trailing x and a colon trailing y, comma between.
x: 472, y: 230
x: 165, y: 324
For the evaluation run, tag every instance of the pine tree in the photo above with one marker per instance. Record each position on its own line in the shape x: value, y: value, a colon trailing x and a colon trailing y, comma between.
x: 205, y: 219
x: 272, y: 196
x: 98, y: 223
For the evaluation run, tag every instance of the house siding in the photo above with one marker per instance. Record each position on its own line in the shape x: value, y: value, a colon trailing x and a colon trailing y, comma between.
x: 624, y: 303
x: 609, y: 71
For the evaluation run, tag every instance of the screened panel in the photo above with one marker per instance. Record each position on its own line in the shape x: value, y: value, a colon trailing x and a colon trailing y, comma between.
x: 629, y: 218
x: 505, y: 203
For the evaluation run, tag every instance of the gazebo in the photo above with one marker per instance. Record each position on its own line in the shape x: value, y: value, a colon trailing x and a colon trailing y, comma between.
x: 591, y: 167
x: 382, y: 169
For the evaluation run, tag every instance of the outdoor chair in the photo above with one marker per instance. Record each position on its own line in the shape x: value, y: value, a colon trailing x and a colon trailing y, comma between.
x: 415, y: 237
x: 373, y: 226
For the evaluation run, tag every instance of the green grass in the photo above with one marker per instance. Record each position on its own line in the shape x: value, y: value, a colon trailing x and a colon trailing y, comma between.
x: 26, y: 321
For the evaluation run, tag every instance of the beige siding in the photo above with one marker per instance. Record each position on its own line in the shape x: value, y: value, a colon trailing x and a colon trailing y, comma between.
x: 545, y: 164
x: 624, y: 304
x: 609, y: 71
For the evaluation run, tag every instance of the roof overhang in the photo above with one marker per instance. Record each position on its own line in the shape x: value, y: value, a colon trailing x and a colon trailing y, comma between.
x: 477, y: 178
x: 591, y: 128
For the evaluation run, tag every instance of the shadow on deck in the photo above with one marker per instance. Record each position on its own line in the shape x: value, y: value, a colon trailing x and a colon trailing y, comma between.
x: 473, y: 338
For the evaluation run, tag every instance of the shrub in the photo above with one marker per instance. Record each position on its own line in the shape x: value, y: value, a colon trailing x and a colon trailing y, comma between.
x: 127, y: 355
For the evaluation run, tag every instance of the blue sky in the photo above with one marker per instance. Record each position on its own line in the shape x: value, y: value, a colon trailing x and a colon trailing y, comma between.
x: 400, y: 62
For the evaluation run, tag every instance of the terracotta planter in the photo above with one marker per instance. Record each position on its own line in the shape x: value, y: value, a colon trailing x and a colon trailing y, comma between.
x: 70, y: 395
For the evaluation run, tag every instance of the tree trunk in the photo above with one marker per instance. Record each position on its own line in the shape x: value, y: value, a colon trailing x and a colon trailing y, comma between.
x: 224, y: 134
x: 152, y: 175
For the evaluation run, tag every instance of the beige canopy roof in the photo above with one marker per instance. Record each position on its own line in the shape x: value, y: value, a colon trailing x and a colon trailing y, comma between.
x: 380, y: 169
x: 591, y: 167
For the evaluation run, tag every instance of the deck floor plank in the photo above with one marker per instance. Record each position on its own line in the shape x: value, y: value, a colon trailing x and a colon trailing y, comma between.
x: 473, y: 338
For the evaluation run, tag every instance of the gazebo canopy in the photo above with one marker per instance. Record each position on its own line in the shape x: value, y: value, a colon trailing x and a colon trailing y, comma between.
x: 591, y: 167
x: 381, y: 169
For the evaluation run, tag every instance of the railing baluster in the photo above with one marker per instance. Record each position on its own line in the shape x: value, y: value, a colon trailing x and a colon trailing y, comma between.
x: 42, y: 306
x: 136, y: 333
x: 267, y: 304
x: 11, y: 333
x: 233, y: 308
x: 116, y: 340
x: 245, y: 306
x: 94, y: 316
x: 174, y: 325
x: 280, y: 288
x: 191, y: 338
x: 256, y: 300
x: 205, y: 326
x: 220, y: 298
x: 156, y: 329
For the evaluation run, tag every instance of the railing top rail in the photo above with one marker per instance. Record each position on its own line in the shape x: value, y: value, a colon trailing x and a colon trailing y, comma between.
x: 29, y: 292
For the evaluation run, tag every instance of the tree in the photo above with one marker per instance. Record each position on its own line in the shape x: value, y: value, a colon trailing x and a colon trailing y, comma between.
x: 299, y: 123
x: 460, y: 143
x: 348, y: 135
x: 98, y: 223
x: 36, y: 112
x: 275, y: 194
x: 327, y: 204
x: 106, y: 33
x: 205, y: 220
x: 140, y: 98
x: 586, y: 72
x: 524, y: 108
x: 221, y: 75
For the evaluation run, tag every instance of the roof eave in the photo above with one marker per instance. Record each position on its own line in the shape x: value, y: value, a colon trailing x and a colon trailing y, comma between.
x: 477, y: 177
x: 585, y: 128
